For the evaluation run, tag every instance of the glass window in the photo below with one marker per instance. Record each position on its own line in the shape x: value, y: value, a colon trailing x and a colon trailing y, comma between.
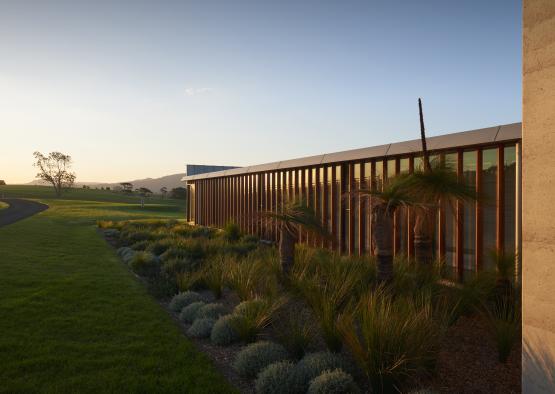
x: 356, y: 204
x: 366, y: 208
x: 404, y: 165
x: 510, y: 197
x: 338, y: 204
x: 469, y: 250
x: 378, y: 177
x: 391, y: 168
x: 450, y: 219
x: 489, y: 203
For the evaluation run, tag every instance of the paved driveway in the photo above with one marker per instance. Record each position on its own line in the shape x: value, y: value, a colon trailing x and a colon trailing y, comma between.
x: 19, y: 209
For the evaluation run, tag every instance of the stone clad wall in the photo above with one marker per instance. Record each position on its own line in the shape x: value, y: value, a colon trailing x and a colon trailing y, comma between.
x: 538, y: 210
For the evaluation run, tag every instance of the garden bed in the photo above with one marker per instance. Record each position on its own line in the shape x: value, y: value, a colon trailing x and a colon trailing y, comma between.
x: 328, y: 316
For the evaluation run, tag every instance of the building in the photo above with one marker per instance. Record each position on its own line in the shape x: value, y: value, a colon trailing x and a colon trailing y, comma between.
x: 538, y: 227
x: 487, y: 158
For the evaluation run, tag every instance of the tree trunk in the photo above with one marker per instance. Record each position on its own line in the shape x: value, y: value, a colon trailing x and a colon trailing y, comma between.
x: 382, y: 240
x: 286, y: 249
x: 422, y: 239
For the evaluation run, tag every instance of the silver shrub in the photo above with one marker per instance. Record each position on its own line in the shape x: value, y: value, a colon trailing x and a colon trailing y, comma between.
x: 201, y: 328
x: 257, y: 356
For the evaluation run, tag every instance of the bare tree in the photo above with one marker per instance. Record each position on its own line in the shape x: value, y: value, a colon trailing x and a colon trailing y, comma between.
x: 55, y: 169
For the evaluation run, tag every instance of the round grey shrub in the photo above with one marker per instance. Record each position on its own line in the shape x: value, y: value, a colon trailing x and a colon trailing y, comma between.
x: 190, y: 312
x: 333, y: 382
x: 181, y: 300
x: 223, y: 333
x: 212, y: 311
x: 257, y: 356
x: 313, y: 365
x: 111, y: 233
x: 201, y: 328
x: 275, y: 378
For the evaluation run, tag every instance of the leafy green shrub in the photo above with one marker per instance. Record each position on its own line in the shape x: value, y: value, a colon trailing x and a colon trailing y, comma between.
x: 397, y: 338
x: 189, y: 313
x: 181, y: 300
x: 275, y: 378
x: 232, y: 232
x: 313, y: 365
x: 333, y: 382
x: 223, y: 333
x: 141, y: 245
x: 212, y: 311
x: 257, y: 356
x: 201, y: 328
x: 253, y: 316
x: 145, y: 264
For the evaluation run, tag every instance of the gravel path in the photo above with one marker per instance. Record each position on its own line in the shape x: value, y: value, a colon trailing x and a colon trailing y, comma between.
x: 19, y: 209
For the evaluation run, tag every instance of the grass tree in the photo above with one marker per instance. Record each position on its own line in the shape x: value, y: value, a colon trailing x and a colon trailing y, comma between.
x: 294, y: 217
x: 430, y: 185
x: 384, y: 200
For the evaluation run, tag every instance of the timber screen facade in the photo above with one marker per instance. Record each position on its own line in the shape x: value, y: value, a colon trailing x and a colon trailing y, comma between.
x: 488, y: 159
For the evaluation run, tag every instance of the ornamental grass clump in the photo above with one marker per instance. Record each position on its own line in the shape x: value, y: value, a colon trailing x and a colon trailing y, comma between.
x: 145, y: 264
x: 141, y: 245
x: 313, y: 365
x: 504, y: 318
x: 189, y: 313
x: 257, y: 356
x: 394, y: 340
x: 295, y: 331
x: 254, y: 276
x: 159, y: 246
x: 333, y: 382
x: 232, y: 232
x: 275, y: 378
x: 212, y: 311
x: 329, y: 283
x: 201, y: 328
x: 253, y: 316
x: 223, y: 333
x: 213, y: 275
x: 181, y: 300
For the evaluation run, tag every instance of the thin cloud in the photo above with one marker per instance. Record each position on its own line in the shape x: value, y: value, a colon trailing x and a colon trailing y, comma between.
x: 196, y: 91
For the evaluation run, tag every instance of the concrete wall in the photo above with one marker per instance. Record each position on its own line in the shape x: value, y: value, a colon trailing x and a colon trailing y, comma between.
x: 538, y: 214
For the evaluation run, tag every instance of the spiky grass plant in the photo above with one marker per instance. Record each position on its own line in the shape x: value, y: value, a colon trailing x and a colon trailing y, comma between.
x: 295, y: 333
x: 504, y: 318
x: 254, y: 316
x: 213, y: 274
x: 253, y: 277
x: 397, y: 339
x: 329, y: 283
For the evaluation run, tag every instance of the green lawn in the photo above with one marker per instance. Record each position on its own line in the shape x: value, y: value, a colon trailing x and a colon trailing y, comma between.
x: 74, y: 319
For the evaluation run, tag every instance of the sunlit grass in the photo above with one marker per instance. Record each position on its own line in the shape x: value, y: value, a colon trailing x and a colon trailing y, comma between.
x: 74, y: 319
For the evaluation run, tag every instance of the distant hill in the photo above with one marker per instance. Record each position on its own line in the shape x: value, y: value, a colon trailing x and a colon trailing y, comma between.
x: 154, y: 184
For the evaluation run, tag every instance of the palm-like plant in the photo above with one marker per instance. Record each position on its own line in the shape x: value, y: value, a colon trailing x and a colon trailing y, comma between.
x: 383, y: 202
x: 430, y: 185
x: 294, y: 217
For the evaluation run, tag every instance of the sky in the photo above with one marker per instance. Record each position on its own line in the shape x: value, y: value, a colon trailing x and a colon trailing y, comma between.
x: 134, y: 89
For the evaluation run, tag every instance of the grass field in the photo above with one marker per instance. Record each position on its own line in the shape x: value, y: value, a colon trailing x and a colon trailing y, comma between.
x: 74, y: 319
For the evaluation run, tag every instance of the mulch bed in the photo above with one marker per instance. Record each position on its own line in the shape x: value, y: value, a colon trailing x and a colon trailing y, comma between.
x: 468, y: 362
